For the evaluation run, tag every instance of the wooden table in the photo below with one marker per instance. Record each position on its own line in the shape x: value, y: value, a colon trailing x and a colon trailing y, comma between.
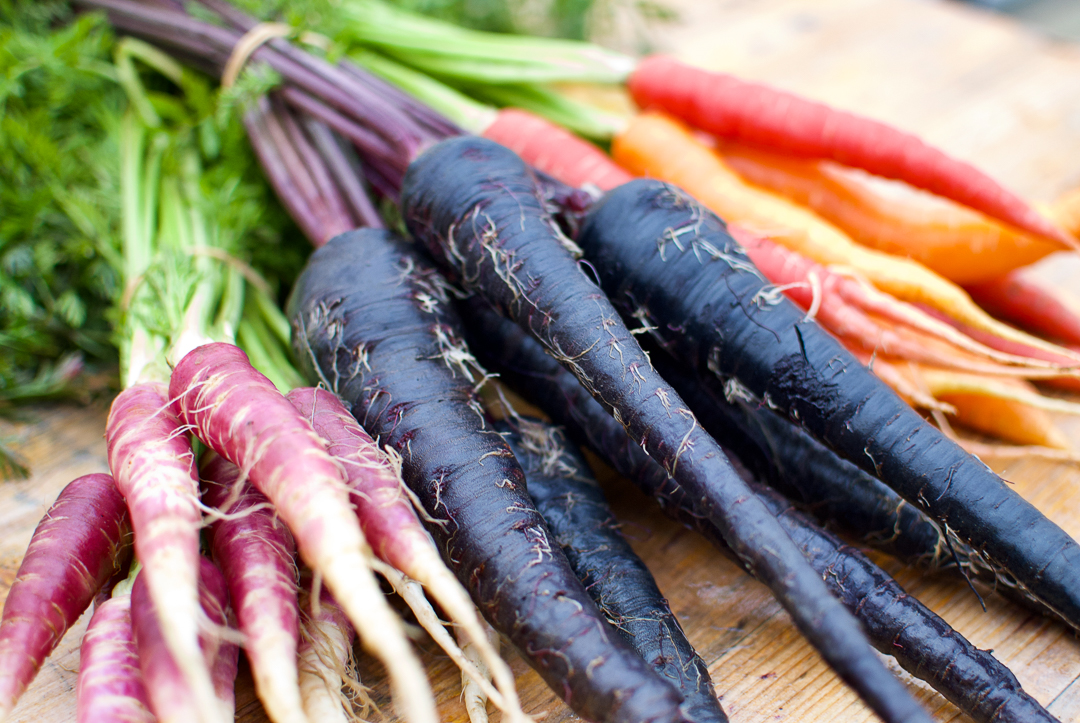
x: 975, y: 84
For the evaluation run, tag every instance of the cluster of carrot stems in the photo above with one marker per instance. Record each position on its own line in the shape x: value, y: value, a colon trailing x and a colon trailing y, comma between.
x: 325, y: 134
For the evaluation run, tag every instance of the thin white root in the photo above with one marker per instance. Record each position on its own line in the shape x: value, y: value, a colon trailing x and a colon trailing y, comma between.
x: 447, y: 591
x: 474, y: 698
x: 412, y: 592
x: 349, y: 577
x: 325, y: 662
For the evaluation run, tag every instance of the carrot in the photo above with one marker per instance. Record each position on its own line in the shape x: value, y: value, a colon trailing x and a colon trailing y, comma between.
x: 476, y: 207
x: 239, y: 414
x: 554, y: 150
x: 153, y: 464
x: 950, y: 240
x: 83, y: 540
x: 392, y: 528
x: 391, y: 348
x: 1006, y: 419
x: 759, y: 115
x: 326, y: 659
x: 662, y: 256
x: 472, y: 694
x: 658, y: 146
x: 928, y: 648
x: 256, y: 552
x: 584, y: 526
x: 168, y: 691
x: 1066, y: 211
x: 1019, y: 297
x: 110, y: 685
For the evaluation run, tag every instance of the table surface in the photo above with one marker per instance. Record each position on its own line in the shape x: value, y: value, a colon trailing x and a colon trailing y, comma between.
x: 975, y: 84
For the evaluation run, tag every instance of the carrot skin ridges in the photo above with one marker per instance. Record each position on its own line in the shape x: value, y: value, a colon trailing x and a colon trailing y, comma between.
x: 169, y: 694
x: 110, y: 685
x: 81, y: 542
x: 555, y: 150
x: 388, y: 348
x: 256, y: 554
x: 242, y: 416
x: 476, y: 207
x: 759, y: 115
x: 578, y: 514
x: 700, y: 293
x: 154, y: 468
x: 931, y: 651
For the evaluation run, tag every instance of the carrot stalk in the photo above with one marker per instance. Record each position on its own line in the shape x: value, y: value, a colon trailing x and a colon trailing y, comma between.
x: 759, y: 115
x: 239, y: 414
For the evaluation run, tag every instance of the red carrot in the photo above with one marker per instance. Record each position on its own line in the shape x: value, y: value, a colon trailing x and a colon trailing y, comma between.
x: 81, y: 542
x: 395, y: 532
x: 759, y: 115
x: 239, y: 414
x: 554, y: 150
x: 110, y: 686
x: 154, y: 467
x: 1020, y: 298
x: 256, y: 553
x: 168, y: 691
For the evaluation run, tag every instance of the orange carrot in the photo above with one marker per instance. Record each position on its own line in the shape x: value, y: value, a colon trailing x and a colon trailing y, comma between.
x: 656, y: 145
x: 554, y: 150
x: 756, y: 114
x: 1007, y: 419
x: 961, y: 245
x: 1066, y: 211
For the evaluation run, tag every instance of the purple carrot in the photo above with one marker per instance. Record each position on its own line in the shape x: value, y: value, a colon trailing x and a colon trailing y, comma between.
x: 168, y: 691
x: 256, y: 552
x: 83, y: 540
x: 240, y: 415
x: 110, y: 686
x: 154, y: 467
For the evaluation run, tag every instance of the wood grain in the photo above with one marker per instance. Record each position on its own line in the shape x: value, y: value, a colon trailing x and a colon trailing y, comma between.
x: 972, y: 83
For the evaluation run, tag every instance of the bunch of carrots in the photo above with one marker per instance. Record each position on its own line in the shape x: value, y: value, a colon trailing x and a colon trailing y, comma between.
x: 395, y: 463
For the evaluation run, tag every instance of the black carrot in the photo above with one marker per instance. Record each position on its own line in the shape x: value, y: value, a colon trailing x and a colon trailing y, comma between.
x: 578, y: 515
x: 372, y: 321
x: 669, y: 262
x: 477, y: 208
x: 836, y: 491
x: 898, y: 624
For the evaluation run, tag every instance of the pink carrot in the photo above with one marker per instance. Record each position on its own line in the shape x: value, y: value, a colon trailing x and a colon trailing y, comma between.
x: 1019, y: 298
x: 154, y: 467
x: 256, y: 553
x: 555, y: 150
x: 241, y: 415
x: 168, y: 691
x: 84, y: 539
x: 783, y: 266
x: 395, y: 532
x: 110, y: 685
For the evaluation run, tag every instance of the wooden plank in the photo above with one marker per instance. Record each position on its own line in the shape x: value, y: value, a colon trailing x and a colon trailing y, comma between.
x: 973, y: 83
